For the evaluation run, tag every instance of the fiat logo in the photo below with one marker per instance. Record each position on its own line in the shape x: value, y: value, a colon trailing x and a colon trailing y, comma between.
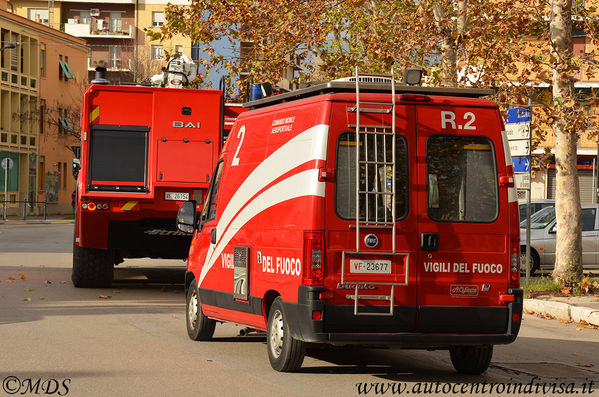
x: 371, y: 241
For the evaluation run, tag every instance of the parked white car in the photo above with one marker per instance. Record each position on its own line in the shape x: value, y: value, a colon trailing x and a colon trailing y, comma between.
x: 543, y: 238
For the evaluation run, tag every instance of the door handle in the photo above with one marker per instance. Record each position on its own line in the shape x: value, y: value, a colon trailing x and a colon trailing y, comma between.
x: 429, y: 241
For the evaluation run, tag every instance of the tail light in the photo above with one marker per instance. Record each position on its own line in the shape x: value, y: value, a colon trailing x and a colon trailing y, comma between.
x: 93, y: 206
x: 313, y: 258
x: 514, y: 281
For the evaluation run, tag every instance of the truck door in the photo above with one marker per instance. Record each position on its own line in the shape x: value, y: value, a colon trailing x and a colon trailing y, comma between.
x: 371, y: 246
x: 463, y: 254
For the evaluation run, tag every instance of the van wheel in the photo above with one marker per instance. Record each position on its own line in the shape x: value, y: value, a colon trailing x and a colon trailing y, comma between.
x: 285, y: 353
x: 92, y: 267
x: 473, y: 360
x: 199, y: 327
x: 534, y: 261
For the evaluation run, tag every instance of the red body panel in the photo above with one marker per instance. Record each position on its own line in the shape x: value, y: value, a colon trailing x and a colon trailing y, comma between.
x: 184, y: 131
x: 273, y: 189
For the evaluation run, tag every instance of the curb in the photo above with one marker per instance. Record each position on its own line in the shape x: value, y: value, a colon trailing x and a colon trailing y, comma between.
x: 37, y: 222
x: 562, y: 311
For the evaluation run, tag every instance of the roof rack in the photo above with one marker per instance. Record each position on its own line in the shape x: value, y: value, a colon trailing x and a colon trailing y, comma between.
x: 350, y: 87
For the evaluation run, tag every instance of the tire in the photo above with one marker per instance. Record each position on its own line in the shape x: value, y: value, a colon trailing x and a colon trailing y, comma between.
x: 199, y: 327
x: 534, y: 259
x: 285, y: 353
x: 472, y: 360
x: 92, y: 268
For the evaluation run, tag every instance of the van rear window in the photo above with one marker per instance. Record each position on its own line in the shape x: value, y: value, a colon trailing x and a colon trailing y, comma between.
x: 461, y: 179
x: 376, y: 176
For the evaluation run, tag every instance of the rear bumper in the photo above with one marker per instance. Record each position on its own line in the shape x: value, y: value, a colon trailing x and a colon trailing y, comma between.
x: 304, y: 328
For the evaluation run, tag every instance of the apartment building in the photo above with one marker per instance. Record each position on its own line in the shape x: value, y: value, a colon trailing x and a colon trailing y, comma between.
x: 115, y: 32
x: 42, y: 74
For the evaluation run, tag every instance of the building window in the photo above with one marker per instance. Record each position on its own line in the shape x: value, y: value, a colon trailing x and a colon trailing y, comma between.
x: 39, y: 15
x: 42, y: 114
x: 23, y: 140
x: 157, y: 52
x: 43, y: 61
x: 64, y: 175
x: 85, y: 17
x: 68, y: 68
x: 157, y: 18
x: 61, y: 124
x: 60, y: 68
x: 115, y: 22
x: 195, y: 51
x: 4, y: 137
x: 114, y: 54
x: 42, y: 173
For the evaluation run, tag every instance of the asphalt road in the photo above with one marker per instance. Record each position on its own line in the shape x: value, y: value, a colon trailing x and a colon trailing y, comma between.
x: 130, y: 340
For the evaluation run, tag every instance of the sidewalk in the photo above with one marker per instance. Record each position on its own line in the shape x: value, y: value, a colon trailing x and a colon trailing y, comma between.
x: 577, y: 309
x: 32, y: 220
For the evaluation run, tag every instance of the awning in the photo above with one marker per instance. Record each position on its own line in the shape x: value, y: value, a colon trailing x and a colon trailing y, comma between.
x: 67, y: 75
x: 66, y: 64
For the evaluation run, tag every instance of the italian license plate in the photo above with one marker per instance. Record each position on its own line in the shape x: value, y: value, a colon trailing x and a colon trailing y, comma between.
x: 375, y: 266
x: 177, y: 196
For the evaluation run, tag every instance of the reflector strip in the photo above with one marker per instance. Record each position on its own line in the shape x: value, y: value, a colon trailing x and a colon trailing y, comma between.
x: 128, y: 206
x: 94, y: 114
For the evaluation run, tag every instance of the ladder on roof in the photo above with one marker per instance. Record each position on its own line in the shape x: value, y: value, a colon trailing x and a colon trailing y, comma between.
x: 375, y: 166
x: 375, y: 188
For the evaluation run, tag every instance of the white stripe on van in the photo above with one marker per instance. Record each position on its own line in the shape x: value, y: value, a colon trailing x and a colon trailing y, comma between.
x: 308, y: 145
x: 512, y: 196
x: 506, y: 148
x: 304, y: 183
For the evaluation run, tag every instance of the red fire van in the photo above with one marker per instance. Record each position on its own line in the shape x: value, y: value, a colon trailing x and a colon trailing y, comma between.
x: 361, y: 213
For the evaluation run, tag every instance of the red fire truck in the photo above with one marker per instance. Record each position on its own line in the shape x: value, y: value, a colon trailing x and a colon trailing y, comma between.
x: 144, y: 151
x: 361, y: 213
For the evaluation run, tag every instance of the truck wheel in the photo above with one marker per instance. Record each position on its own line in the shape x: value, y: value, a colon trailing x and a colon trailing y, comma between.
x: 473, y: 360
x: 92, y: 268
x: 199, y: 327
x: 284, y: 352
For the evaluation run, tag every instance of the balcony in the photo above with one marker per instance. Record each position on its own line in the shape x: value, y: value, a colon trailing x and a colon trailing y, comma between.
x: 89, y: 31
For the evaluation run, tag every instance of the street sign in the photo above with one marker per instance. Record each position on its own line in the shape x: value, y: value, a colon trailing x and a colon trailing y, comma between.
x: 521, y: 163
x: 522, y: 180
x: 519, y: 115
x: 517, y: 130
x: 520, y: 148
x: 7, y: 162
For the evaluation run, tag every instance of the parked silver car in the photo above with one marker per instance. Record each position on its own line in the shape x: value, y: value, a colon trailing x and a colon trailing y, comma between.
x: 543, y: 238
x: 535, y: 205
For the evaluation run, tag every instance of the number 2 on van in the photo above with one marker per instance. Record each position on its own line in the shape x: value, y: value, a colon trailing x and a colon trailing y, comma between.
x: 362, y: 223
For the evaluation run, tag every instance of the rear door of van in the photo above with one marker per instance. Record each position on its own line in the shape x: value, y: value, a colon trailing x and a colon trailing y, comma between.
x: 371, y: 279
x: 463, y: 234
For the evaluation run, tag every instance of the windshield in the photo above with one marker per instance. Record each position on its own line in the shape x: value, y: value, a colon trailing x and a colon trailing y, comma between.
x: 540, y: 219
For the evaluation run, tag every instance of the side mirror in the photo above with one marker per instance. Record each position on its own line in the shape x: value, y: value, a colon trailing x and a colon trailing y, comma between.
x: 553, y: 229
x: 76, y: 167
x: 187, y: 217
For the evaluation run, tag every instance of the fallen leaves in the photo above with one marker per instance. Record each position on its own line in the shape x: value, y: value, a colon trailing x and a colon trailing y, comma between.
x: 584, y: 324
x: 585, y: 365
x: 105, y: 296
x: 23, y: 276
x: 27, y: 300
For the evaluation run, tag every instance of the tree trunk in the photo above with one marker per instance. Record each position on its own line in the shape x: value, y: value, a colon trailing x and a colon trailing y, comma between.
x: 449, y: 43
x: 568, y: 256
